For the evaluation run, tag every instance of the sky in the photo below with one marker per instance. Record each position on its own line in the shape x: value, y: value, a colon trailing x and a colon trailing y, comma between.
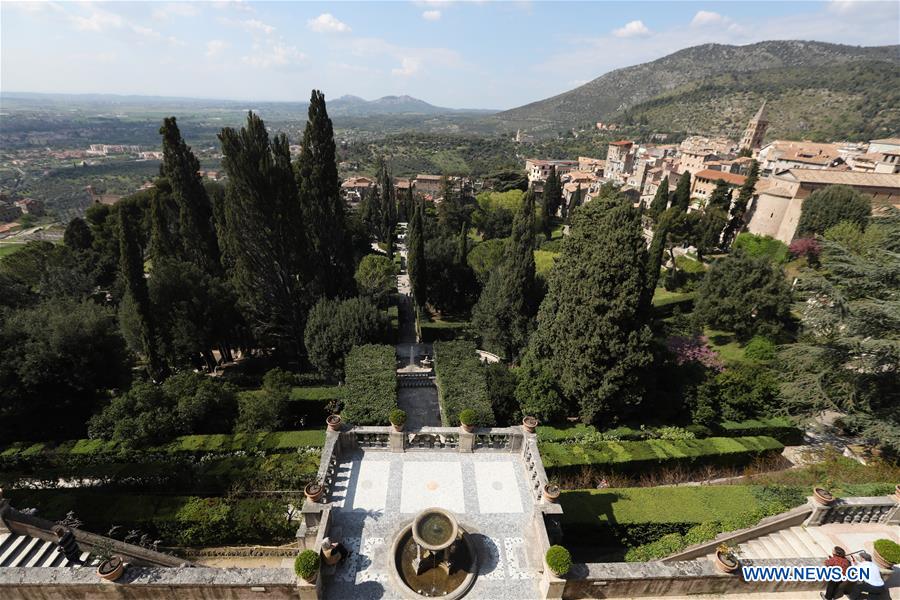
x: 473, y: 54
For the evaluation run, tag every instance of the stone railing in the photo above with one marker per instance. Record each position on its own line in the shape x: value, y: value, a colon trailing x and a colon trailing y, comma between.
x: 861, y: 509
x: 483, y: 439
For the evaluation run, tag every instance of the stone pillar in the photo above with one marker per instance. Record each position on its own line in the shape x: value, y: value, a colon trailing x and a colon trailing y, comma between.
x: 310, y: 591
x: 819, y: 513
x: 552, y: 587
x: 892, y: 517
x: 397, y: 441
x: 4, y: 508
x: 466, y: 441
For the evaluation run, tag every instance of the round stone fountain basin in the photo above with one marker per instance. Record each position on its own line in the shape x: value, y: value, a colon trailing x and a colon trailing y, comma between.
x: 435, y: 529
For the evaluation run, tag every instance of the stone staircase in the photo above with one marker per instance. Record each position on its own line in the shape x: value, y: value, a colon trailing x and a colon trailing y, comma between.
x: 27, y: 551
x: 795, y: 542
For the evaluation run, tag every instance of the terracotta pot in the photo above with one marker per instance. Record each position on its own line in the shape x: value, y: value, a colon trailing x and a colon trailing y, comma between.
x: 111, y: 569
x: 398, y: 427
x: 880, y: 561
x: 312, y: 578
x: 530, y: 424
x: 897, y: 492
x: 314, y: 491
x: 823, y: 496
x: 726, y: 564
x: 334, y: 422
x: 467, y: 428
x: 551, y: 492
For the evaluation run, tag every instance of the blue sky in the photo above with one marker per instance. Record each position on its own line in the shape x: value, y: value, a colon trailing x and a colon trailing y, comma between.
x: 458, y: 54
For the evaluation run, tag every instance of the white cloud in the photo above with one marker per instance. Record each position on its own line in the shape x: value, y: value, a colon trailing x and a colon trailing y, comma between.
x: 174, y: 41
x: 327, y: 23
x: 98, y: 20
x: 146, y: 31
x: 273, y: 55
x: 431, y: 15
x: 215, y: 47
x: 631, y: 29
x: 408, y: 66
x: 175, y: 9
x: 258, y: 25
x: 706, y: 17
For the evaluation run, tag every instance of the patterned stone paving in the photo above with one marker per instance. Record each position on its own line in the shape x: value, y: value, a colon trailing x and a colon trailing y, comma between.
x: 377, y: 493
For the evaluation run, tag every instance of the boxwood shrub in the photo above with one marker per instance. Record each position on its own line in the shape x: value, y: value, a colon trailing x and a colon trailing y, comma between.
x: 559, y: 560
x: 889, y: 550
x: 461, y: 383
x: 781, y: 428
x: 634, y: 456
x: 370, y: 390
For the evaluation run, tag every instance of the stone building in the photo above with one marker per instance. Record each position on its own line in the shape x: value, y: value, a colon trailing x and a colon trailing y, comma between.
x: 756, y: 130
x: 705, y: 182
x: 619, y: 160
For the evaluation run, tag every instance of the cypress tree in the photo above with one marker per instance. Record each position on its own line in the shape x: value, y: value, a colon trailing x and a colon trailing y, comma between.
x: 660, y: 200
x: 551, y: 198
x: 264, y: 234
x: 131, y: 267
x: 324, y: 217
x: 387, y: 208
x: 655, y: 257
x: 682, y: 197
x: 739, y: 209
x: 714, y: 219
x: 195, y: 216
x: 593, y: 342
x: 504, y: 314
x: 416, y: 256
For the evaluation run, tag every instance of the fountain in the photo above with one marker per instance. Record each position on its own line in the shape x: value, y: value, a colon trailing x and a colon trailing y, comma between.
x: 434, y: 557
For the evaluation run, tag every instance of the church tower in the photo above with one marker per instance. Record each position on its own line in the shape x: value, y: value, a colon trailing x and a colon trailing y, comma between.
x: 756, y: 129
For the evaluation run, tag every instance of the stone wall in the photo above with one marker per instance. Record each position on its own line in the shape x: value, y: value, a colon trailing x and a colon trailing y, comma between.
x: 149, y: 583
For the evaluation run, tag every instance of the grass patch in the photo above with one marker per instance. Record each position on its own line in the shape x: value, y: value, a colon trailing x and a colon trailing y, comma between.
x: 323, y: 393
x: 543, y: 261
x: 726, y: 344
x: 7, y: 249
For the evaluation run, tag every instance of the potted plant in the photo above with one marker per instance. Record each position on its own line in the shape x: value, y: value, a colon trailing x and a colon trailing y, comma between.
x: 886, y: 553
x: 110, y: 567
x: 726, y: 559
x: 559, y: 561
x: 822, y: 496
x: 897, y: 492
x: 529, y: 423
x: 306, y: 566
x: 398, y: 419
x: 334, y: 422
x: 314, y: 491
x: 467, y: 420
x: 551, y: 491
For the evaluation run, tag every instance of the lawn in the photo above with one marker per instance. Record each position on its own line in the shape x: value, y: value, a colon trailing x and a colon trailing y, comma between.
x: 663, y: 297
x: 726, y: 344
x: 316, y: 393
x: 7, y: 249
x: 543, y: 261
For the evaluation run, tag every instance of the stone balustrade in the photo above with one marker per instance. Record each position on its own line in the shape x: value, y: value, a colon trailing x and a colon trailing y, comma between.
x: 861, y: 509
x: 483, y: 439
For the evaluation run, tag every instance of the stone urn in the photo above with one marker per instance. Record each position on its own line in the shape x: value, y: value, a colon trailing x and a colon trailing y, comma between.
x: 551, y: 492
x: 530, y: 424
x: 314, y: 491
x: 823, y: 496
x: 111, y: 569
x: 334, y: 422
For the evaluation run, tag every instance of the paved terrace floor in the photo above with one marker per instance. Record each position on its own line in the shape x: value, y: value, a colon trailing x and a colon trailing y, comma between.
x: 377, y: 493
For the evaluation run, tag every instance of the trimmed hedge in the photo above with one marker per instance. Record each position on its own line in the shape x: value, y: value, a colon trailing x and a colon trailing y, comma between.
x: 177, y: 520
x: 370, y: 393
x: 461, y: 383
x: 781, y: 428
x: 631, y: 457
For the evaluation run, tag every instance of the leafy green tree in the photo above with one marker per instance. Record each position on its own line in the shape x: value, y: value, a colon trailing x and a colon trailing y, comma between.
x: 852, y: 237
x: 324, y: 217
x: 264, y: 235
x: 746, y: 295
x: 58, y: 358
x: 132, y: 271
x: 682, y: 196
x: 593, y: 340
x: 455, y: 208
x: 78, y: 235
x: 501, y: 385
x: 660, y: 201
x: 418, y: 274
x: 655, y: 255
x: 505, y: 311
x: 485, y: 257
x: 335, y: 326
x: 759, y: 246
x: 265, y: 409
x: 451, y: 284
x: 376, y: 278
x: 387, y: 209
x: 551, y: 200
x: 714, y: 219
x: 739, y: 208
x: 829, y: 206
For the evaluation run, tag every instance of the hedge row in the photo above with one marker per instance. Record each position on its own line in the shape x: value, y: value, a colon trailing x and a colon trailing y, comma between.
x: 445, y: 331
x: 631, y: 457
x: 370, y: 393
x: 274, y: 442
x: 780, y: 428
x: 176, y: 520
x: 461, y: 383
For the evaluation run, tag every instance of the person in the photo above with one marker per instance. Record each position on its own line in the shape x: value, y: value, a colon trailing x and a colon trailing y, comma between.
x: 874, y: 584
x: 835, y: 589
x: 334, y: 552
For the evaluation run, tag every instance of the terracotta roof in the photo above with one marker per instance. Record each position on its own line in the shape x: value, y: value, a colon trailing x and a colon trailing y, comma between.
x: 622, y: 143
x: 832, y: 177
x: 886, y: 141
x: 730, y: 178
x: 424, y: 177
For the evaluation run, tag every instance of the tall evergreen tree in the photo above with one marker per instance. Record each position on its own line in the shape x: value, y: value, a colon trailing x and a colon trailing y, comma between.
x: 682, y: 197
x: 416, y: 256
x: 195, y: 217
x: 504, y: 314
x: 387, y: 208
x: 330, y: 251
x: 551, y: 199
x: 739, y: 209
x: 131, y: 266
x: 655, y: 257
x: 660, y: 200
x: 593, y: 340
x: 264, y: 234
x: 714, y: 219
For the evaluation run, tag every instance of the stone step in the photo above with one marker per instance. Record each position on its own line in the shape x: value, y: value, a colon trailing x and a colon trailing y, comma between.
x: 40, y: 554
x: 773, y: 548
x: 13, y: 544
x: 821, y: 538
x: 754, y: 549
x: 809, y: 542
x: 18, y: 559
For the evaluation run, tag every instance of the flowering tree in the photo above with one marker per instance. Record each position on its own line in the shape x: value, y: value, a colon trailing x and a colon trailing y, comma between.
x: 694, y: 349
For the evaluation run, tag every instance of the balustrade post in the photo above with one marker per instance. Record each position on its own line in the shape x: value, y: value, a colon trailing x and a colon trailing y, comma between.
x: 397, y: 441
x: 466, y: 441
